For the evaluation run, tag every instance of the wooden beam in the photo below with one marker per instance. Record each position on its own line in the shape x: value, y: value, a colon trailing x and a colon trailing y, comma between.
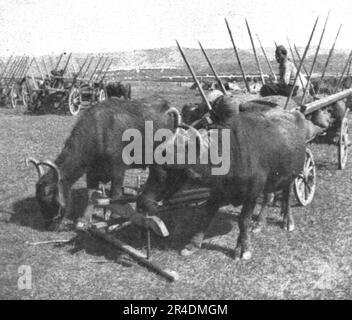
x: 325, y: 101
x: 134, y: 253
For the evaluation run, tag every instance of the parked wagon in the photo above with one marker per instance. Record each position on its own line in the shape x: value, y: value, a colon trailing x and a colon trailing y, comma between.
x: 88, y: 91
x: 68, y: 93
x: 305, y: 183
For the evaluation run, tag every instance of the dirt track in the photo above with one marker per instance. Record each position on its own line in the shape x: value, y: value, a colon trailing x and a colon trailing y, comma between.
x: 314, y: 261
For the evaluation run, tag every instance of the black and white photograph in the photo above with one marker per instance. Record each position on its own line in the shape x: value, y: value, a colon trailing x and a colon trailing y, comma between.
x: 194, y: 151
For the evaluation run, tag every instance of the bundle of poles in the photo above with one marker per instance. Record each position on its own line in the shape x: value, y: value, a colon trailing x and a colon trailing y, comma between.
x: 17, y: 67
x: 299, y: 64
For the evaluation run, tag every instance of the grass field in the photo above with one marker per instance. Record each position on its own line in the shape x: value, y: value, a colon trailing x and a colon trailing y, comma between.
x: 314, y: 261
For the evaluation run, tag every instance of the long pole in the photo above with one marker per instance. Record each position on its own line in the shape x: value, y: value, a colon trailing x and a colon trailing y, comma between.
x: 255, y: 53
x: 6, y: 65
x: 328, y: 60
x: 294, y: 60
x: 23, y: 69
x: 15, y: 70
x: 27, y: 68
x: 13, y: 65
x: 82, y: 66
x: 314, y: 60
x: 102, y: 67
x: 107, y: 69
x: 343, y: 72
x: 266, y: 58
x: 299, y: 58
x: 237, y: 56
x: 89, y: 63
x: 96, y: 67
x: 213, y: 70
x: 300, y: 65
x: 66, y: 64
x: 58, y: 62
x: 39, y: 68
x: 304, y: 68
x: 45, y: 67
x: 194, y: 77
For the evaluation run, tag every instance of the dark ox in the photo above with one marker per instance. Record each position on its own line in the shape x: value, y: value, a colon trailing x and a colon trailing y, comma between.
x: 118, y: 89
x: 267, y: 151
x: 95, y: 147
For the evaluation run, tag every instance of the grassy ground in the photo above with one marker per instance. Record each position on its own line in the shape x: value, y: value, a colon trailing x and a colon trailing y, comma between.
x: 314, y: 261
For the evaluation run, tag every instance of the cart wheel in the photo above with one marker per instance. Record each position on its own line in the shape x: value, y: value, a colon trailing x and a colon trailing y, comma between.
x: 343, y: 142
x: 102, y: 95
x: 74, y: 101
x: 304, y: 184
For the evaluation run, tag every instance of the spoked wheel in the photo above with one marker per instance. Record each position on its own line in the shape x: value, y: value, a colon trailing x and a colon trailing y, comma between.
x: 102, y: 95
x: 343, y: 142
x: 304, y: 184
x: 74, y: 101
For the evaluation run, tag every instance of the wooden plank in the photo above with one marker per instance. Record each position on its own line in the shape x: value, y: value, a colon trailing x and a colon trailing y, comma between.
x: 325, y: 101
x: 136, y: 254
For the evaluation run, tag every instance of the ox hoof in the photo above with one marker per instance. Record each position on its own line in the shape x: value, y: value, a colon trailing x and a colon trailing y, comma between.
x: 247, y: 255
x: 188, y: 250
x: 289, y: 226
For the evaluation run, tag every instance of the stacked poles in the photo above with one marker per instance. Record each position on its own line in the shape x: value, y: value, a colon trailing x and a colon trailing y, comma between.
x: 266, y: 59
x: 95, y: 69
x: 314, y: 60
x: 237, y: 56
x: 300, y: 65
x: 102, y: 68
x: 255, y: 53
x: 194, y: 78
x: 349, y: 59
x: 107, y: 69
x: 328, y: 60
x: 222, y: 88
x: 88, y: 66
x: 294, y: 61
x: 45, y: 67
x: 8, y: 63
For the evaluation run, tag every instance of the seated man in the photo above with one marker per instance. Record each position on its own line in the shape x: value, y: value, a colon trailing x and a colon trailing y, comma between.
x: 287, y: 72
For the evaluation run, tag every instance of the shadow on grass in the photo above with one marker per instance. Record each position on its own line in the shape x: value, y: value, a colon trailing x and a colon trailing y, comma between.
x: 181, y: 223
x: 26, y: 212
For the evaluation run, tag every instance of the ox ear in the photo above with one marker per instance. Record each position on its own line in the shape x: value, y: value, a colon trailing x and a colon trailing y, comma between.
x: 60, y: 197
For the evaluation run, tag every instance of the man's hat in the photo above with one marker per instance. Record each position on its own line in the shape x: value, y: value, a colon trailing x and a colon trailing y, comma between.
x: 281, y: 50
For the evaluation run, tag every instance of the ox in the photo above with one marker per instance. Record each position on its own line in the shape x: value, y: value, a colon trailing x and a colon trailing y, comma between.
x: 95, y: 147
x: 267, y: 151
x: 118, y: 89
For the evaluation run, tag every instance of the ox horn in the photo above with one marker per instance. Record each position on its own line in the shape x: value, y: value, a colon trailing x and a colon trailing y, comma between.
x: 53, y: 166
x: 194, y: 130
x: 37, y: 165
x: 176, y: 114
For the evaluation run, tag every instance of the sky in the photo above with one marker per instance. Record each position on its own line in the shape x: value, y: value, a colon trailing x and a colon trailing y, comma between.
x: 52, y: 26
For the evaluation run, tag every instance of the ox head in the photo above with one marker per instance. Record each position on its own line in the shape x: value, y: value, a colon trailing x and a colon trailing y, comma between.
x: 49, y: 192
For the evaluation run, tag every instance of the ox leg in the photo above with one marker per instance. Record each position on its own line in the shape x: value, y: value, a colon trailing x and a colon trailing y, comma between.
x: 243, y: 249
x: 92, y: 186
x: 288, y: 222
x: 196, y: 241
x: 118, y: 172
x: 260, y: 224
